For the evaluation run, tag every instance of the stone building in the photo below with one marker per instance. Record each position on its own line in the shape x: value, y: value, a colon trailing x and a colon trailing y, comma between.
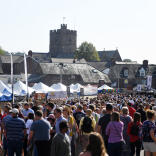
x: 62, y: 42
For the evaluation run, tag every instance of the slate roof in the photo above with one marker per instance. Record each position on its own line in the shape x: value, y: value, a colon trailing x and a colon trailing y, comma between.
x: 41, y: 57
x: 99, y: 65
x: 87, y: 72
x: 7, y: 58
x: 67, y: 60
x: 109, y: 55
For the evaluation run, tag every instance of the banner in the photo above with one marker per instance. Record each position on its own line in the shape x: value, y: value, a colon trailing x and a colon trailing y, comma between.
x: 149, y: 82
x: 26, y: 74
x: 12, y: 79
x: 57, y: 95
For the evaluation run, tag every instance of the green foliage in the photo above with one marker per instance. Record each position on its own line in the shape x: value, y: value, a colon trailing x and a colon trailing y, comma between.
x: 88, y: 52
x: 2, y: 52
x: 127, y: 60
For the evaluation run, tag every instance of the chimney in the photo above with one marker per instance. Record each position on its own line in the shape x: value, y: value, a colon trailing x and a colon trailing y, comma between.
x: 30, y: 53
x: 145, y: 63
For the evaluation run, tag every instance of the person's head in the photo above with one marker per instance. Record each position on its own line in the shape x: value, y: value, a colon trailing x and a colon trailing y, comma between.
x: 96, y: 145
x: 50, y: 106
x: 125, y: 111
x: 66, y: 111
x: 63, y: 126
x: 92, y: 107
x: 79, y: 108
x: 57, y: 112
x: 150, y: 114
x: 26, y: 106
x: 137, y: 117
x: 31, y: 116
x: 154, y: 108
x: 109, y: 108
x: 38, y: 115
x: 141, y: 106
x: 89, y: 112
x: 116, y: 116
x: 7, y: 109
x: 15, y: 112
x: 51, y: 119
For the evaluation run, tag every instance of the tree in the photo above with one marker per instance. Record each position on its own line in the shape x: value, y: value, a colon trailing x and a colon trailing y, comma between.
x: 2, y: 52
x: 87, y: 51
x: 127, y: 60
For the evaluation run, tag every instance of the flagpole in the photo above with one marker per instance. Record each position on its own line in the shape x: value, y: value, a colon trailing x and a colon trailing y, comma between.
x: 12, y: 79
x: 26, y: 75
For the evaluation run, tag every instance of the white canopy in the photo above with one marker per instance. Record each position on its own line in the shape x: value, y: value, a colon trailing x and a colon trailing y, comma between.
x: 20, y: 89
x: 90, y: 90
x: 104, y: 87
x: 41, y: 88
x: 59, y: 87
x: 4, y: 88
x: 75, y: 88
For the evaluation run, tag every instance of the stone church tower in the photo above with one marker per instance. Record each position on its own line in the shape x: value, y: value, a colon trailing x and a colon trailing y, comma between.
x: 62, y: 42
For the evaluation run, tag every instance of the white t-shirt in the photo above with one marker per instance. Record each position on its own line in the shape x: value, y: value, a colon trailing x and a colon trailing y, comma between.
x: 28, y: 125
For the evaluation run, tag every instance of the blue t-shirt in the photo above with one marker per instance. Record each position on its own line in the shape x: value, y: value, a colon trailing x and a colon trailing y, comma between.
x: 41, y: 129
x: 146, y: 128
x: 58, y: 121
x: 26, y: 112
x: 15, y: 129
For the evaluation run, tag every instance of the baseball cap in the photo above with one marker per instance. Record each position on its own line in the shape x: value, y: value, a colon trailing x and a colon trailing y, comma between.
x: 15, y: 111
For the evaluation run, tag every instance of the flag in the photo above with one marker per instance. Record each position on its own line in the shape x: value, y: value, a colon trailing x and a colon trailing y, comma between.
x: 12, y: 78
x: 26, y: 74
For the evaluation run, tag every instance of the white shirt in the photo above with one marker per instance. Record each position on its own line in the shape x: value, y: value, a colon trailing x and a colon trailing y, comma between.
x: 28, y: 125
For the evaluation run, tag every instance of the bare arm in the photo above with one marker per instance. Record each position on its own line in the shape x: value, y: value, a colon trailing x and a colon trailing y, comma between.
x: 30, y: 136
x: 152, y: 135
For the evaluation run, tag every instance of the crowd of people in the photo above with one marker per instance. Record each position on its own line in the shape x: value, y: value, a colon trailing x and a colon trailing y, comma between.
x: 111, y: 124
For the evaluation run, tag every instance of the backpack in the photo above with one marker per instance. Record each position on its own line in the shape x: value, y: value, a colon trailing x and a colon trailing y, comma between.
x: 87, y: 125
x: 135, y: 130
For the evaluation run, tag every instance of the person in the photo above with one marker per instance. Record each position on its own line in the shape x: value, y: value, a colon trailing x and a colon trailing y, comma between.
x: 103, y: 122
x: 87, y: 125
x: 59, y: 117
x: 61, y: 142
x: 149, y: 133
x: 15, y: 130
x: 115, y: 132
x: 40, y: 130
x: 28, y: 125
x: 134, y: 131
x: 73, y: 128
x: 26, y: 110
x: 50, y: 107
x: 131, y: 109
x: 142, y: 112
x: 79, y: 114
x: 95, y: 146
x: 6, y: 117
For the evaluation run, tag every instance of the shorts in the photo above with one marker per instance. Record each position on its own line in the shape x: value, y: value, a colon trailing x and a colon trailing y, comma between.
x: 149, y: 146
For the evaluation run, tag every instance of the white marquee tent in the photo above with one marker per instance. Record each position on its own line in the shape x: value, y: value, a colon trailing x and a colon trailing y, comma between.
x: 20, y: 89
x: 59, y: 87
x: 75, y: 88
x: 41, y: 88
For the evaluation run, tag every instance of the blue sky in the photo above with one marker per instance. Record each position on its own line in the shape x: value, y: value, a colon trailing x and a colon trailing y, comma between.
x: 128, y: 25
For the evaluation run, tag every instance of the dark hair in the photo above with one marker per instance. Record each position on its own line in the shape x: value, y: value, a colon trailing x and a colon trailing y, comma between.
x: 137, y: 117
x: 115, y: 116
x: 80, y: 107
x: 150, y: 114
x: 91, y: 107
x: 96, y: 145
x: 63, y: 125
x: 16, y: 106
x: 31, y: 116
x: 39, y: 113
x: 58, y: 110
x: 51, y: 105
x: 109, y: 107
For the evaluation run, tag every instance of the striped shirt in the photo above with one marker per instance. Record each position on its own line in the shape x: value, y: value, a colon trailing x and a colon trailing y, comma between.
x: 15, y: 129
